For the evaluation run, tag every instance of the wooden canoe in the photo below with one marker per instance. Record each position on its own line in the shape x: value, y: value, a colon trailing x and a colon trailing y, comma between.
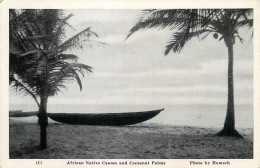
x: 19, y: 113
x: 105, y: 119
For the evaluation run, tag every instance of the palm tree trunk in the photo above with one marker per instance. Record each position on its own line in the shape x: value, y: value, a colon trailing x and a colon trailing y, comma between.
x: 229, y: 125
x: 43, y: 122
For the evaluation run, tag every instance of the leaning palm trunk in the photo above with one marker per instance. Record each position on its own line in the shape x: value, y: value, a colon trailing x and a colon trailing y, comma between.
x: 43, y: 122
x: 229, y: 125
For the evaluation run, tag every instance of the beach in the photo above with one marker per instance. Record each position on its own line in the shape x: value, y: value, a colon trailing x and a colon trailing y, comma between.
x: 141, y: 141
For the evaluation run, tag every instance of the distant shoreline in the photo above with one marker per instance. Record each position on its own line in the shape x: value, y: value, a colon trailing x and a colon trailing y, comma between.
x: 195, y: 115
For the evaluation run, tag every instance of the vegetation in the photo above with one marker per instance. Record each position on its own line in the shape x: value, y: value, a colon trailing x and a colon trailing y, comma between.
x: 189, y: 23
x: 40, y: 64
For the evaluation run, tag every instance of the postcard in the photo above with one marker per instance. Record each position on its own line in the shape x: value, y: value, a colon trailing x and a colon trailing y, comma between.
x: 129, y: 84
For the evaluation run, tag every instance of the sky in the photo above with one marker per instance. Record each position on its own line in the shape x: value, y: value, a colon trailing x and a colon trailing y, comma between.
x: 135, y: 71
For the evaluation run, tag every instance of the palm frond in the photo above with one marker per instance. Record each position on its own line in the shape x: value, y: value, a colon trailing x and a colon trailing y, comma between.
x: 188, y: 23
x: 248, y: 22
x: 179, y: 39
x: 158, y: 19
x: 20, y: 87
x: 36, y: 37
x: 37, y: 54
x: 78, y: 80
x: 75, y: 41
x: 68, y: 73
x: 67, y: 57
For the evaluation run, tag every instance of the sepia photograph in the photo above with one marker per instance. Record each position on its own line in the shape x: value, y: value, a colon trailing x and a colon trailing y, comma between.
x: 131, y: 84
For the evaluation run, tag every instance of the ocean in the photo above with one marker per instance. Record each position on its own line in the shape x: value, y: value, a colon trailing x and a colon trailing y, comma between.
x: 178, y: 115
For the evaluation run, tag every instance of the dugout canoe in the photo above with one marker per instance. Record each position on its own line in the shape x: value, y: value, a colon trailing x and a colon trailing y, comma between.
x: 104, y: 119
x: 19, y: 113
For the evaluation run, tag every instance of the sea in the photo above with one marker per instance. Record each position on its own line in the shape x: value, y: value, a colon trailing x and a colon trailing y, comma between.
x: 177, y: 115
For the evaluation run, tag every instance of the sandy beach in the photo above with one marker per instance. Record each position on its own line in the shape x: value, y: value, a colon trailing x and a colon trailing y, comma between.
x: 142, y: 141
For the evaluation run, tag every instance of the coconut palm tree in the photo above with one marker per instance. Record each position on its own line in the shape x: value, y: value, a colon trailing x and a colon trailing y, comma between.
x: 40, y: 64
x: 189, y: 23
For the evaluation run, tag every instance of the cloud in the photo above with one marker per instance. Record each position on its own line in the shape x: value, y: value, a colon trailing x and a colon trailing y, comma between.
x: 119, y: 38
x: 172, y: 89
x: 136, y: 71
x: 103, y: 15
x: 150, y: 100
x: 213, y: 67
